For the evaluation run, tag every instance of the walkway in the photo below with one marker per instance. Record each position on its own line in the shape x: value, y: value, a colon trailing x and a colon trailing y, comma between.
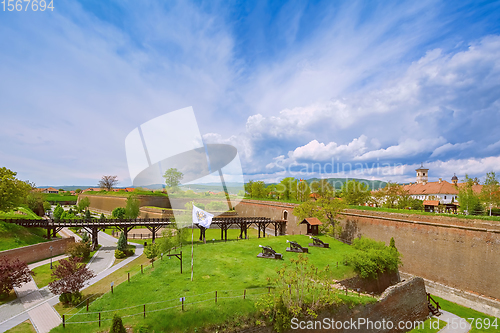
x: 456, y: 324
x: 36, y: 304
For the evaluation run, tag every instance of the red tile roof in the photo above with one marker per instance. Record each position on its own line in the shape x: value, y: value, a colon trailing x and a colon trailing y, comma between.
x: 431, y: 202
x: 311, y: 221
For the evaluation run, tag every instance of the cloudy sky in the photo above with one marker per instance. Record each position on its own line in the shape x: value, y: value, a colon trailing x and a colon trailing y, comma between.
x: 321, y: 88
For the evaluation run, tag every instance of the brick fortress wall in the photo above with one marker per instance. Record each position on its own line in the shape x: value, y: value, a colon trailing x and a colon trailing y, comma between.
x: 32, y: 253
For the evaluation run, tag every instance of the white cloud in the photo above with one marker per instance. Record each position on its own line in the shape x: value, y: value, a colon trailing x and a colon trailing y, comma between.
x: 451, y: 147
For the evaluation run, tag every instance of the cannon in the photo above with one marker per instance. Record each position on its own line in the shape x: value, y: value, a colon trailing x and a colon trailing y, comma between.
x: 295, y: 247
x: 318, y: 243
x: 269, y: 253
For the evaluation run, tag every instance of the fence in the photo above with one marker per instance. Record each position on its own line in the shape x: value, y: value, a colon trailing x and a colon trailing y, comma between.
x: 181, y: 303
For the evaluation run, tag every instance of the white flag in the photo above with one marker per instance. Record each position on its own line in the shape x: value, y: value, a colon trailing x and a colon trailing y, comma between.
x: 201, y: 217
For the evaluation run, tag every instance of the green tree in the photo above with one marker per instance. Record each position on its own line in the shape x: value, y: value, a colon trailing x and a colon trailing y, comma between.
x: 118, y: 213
x: 58, y: 212
x: 83, y: 204
x: 326, y: 210
x: 248, y: 188
x: 167, y: 241
x: 13, y: 191
x: 258, y: 189
x: 355, y: 193
x: 173, y: 177
x: 102, y: 218
x: 287, y: 188
x: 323, y: 188
x: 122, y: 243
x: 303, y: 191
x: 132, y: 209
x: 87, y: 215
x: 152, y: 251
x: 469, y: 201
x: 117, y: 325
x: 490, y: 192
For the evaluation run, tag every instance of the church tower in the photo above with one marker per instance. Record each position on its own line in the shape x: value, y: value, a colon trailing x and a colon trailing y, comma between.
x: 422, y: 175
x: 454, y: 179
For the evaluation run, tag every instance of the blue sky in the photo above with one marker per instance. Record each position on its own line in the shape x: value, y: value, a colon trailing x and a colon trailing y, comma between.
x: 372, y: 88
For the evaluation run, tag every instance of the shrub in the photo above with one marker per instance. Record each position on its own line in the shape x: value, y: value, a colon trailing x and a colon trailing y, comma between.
x: 79, y: 249
x: 217, y: 206
x: 117, y: 325
x: 373, y: 258
x: 119, y: 254
x: 118, y: 213
x: 71, y: 298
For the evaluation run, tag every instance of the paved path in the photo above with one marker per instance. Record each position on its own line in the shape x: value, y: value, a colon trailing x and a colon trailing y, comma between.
x: 36, y: 304
x: 456, y: 324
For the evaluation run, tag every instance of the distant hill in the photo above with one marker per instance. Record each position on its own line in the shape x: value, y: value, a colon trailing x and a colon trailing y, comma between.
x: 338, y: 182
x: 234, y: 187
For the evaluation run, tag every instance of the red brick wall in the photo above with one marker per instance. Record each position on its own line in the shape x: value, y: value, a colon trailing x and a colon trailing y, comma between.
x: 273, y: 210
x: 37, y: 252
x: 103, y: 203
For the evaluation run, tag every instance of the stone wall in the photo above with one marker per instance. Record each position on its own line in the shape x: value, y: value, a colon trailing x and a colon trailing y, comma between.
x: 37, y: 252
x: 106, y: 203
x: 404, y: 302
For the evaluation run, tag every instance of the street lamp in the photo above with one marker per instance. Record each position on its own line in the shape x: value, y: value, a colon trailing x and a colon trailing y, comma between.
x: 51, y: 248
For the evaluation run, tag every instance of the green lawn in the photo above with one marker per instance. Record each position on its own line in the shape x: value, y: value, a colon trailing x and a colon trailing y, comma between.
x: 25, y: 327
x: 481, y: 322
x: 59, y: 197
x: 13, y: 236
x: 43, y: 273
x: 431, y: 325
x: 227, y: 267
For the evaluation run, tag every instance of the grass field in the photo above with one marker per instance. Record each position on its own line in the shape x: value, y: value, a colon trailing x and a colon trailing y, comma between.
x: 480, y: 321
x: 431, y: 325
x: 13, y: 236
x: 226, y: 267
x: 24, y: 327
x: 43, y: 273
x: 59, y: 197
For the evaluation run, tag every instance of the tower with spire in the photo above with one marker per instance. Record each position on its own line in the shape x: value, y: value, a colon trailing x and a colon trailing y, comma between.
x: 422, y: 174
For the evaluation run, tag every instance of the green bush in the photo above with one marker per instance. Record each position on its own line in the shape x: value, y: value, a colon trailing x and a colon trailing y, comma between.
x: 373, y: 258
x: 71, y: 298
x: 79, y: 249
x: 119, y: 254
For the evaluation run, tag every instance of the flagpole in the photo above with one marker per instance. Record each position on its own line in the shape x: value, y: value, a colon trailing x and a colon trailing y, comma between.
x: 192, y: 245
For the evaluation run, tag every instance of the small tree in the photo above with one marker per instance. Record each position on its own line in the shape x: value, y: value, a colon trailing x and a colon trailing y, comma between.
x: 117, y: 325
x: 79, y: 249
x: 102, y: 218
x: 87, y: 215
x: 490, y: 193
x: 58, y: 212
x: 13, y: 274
x: 71, y: 276
x: 118, y: 213
x: 108, y: 182
x: 355, y: 193
x: 132, y: 208
x: 83, y: 204
x: 167, y: 241
x: 122, y: 243
x: 152, y: 251
x: 172, y: 177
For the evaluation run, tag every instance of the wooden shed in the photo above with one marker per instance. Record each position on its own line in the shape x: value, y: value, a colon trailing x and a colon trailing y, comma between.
x: 312, y: 225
